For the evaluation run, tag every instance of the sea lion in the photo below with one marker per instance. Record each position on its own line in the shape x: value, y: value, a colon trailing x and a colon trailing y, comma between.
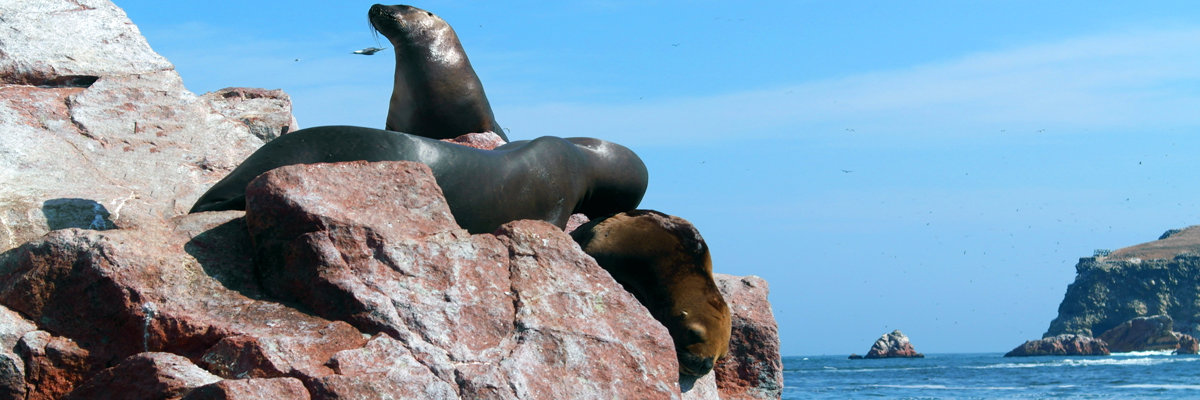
x: 436, y: 93
x: 665, y: 263
x: 547, y: 178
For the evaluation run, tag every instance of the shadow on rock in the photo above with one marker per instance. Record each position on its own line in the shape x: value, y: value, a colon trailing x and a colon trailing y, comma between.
x: 66, y: 213
x: 225, y: 254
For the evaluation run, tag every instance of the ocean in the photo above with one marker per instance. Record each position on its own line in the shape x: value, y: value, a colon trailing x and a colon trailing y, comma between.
x: 1157, y: 375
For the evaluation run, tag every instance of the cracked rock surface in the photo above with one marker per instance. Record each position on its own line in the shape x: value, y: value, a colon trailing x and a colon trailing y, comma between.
x: 96, y: 129
x: 486, y: 314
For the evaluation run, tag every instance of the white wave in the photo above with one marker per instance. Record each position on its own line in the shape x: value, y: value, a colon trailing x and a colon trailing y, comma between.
x: 944, y: 387
x: 833, y: 369
x: 1087, y: 362
x: 1159, y: 386
x: 1144, y: 353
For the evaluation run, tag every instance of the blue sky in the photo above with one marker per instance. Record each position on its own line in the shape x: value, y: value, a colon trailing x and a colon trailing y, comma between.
x: 988, y: 144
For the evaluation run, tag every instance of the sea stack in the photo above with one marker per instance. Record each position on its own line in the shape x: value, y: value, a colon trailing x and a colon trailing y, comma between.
x: 893, y: 345
x: 1061, y: 345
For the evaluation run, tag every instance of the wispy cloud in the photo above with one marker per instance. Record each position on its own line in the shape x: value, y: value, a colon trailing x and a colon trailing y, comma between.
x: 1145, y: 80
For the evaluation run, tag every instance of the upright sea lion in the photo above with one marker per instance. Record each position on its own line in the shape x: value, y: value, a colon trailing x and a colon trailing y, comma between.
x: 547, y: 178
x: 436, y: 93
x: 665, y: 263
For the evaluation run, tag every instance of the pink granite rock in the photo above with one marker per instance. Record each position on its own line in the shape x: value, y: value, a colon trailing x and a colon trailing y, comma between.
x: 754, y: 368
x: 1061, y: 345
x: 99, y: 131
x: 145, y: 376
x: 54, y: 365
x: 268, y: 113
x: 376, y: 245
x: 185, y: 289
x: 247, y: 389
x: 12, y: 367
x: 482, y: 141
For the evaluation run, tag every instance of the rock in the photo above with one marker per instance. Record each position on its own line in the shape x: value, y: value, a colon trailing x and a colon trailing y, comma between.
x: 855, y: 356
x: 482, y: 141
x: 576, y: 221
x: 48, y: 41
x: 254, y: 388
x: 12, y: 368
x: 701, y: 387
x: 107, y: 289
x: 1061, y: 345
x: 375, y: 244
x: 145, y: 376
x: 54, y: 365
x: 185, y: 289
x: 893, y: 345
x: 753, y: 369
x: 268, y: 113
x: 1160, y: 277
x: 99, y: 131
x: 1187, y: 344
x: 1142, y: 334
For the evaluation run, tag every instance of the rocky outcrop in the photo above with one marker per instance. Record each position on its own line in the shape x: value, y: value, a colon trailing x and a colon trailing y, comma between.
x: 1061, y: 345
x: 1161, y: 277
x: 893, y: 345
x: 508, y: 307
x: 753, y: 369
x: 107, y: 289
x: 1144, y: 334
x: 268, y: 113
x: 452, y: 315
x: 1187, y: 344
x: 98, y: 131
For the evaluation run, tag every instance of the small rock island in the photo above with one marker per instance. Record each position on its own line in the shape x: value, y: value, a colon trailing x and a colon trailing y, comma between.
x: 891, y: 345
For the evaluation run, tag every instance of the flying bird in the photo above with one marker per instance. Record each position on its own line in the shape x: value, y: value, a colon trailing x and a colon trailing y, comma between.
x: 368, y: 51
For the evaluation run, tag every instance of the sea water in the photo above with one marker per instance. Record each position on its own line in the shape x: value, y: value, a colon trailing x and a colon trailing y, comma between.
x: 1157, y: 375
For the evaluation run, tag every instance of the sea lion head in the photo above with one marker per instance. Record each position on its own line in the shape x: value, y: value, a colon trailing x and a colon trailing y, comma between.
x: 618, y: 178
x: 412, y: 29
x: 665, y: 263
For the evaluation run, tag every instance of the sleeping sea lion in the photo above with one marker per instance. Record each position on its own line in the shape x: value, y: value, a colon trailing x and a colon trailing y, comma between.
x: 665, y: 263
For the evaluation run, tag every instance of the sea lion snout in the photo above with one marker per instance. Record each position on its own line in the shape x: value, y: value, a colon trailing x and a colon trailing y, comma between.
x: 691, y: 364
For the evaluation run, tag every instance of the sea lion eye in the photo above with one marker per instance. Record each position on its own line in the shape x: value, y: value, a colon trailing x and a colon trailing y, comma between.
x: 683, y: 314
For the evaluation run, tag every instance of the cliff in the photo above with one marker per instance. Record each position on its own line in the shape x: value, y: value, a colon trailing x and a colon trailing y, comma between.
x: 1160, y: 277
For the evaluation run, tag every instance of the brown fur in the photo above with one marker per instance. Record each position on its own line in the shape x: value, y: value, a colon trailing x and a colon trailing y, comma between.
x: 665, y: 263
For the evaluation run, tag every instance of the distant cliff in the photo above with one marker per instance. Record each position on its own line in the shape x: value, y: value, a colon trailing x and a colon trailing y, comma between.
x: 1161, y: 277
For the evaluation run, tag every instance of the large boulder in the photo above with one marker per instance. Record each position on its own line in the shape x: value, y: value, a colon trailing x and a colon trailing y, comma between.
x: 893, y: 345
x: 1142, y: 334
x: 376, y: 245
x: 97, y: 130
x: 753, y: 369
x: 1061, y: 345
